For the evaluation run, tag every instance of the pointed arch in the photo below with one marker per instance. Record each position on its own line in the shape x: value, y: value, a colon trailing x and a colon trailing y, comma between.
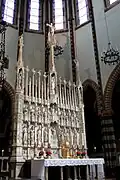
x: 8, y: 8
x: 11, y: 93
x: 81, y: 12
x: 115, y: 75
x: 34, y: 15
x: 94, y: 85
x: 59, y: 14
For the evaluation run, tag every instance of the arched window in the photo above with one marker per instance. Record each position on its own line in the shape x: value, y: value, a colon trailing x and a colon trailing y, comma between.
x: 109, y: 2
x: 112, y: 1
x: 9, y: 7
x: 59, y: 14
x: 81, y: 12
x: 34, y: 15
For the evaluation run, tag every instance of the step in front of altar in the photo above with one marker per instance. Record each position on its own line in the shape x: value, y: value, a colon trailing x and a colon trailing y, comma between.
x: 40, y: 168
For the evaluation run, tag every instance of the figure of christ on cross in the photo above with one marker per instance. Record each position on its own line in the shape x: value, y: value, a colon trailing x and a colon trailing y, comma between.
x: 20, y: 53
x: 51, y: 34
x: 52, y: 43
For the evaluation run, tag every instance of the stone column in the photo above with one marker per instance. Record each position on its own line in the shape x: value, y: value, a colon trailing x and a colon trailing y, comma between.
x: 87, y: 172
x: 61, y: 173
x: 68, y: 173
x: 79, y: 175
x: 17, y: 157
x: 100, y: 172
x: 75, y: 173
x: 46, y: 173
x: 92, y: 172
x: 109, y: 145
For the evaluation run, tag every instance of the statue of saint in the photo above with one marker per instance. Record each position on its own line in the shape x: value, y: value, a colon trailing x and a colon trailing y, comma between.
x: 25, y: 134
x: 77, y: 71
x: 45, y: 134
x: 54, y: 139
x: 32, y: 135
x: 39, y: 135
x: 20, y: 43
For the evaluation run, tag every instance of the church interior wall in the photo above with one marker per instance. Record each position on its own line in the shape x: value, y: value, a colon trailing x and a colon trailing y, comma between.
x: 63, y: 62
x: 11, y: 51
x: 84, y: 53
x: 84, y: 44
x: 34, y: 54
x: 113, y: 23
x: 33, y: 51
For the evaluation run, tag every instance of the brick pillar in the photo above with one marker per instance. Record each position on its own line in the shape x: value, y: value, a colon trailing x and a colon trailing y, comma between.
x: 108, y: 143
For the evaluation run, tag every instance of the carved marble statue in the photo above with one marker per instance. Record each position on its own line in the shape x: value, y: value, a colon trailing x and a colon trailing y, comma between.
x: 51, y: 36
x: 39, y: 135
x: 47, y: 115
x: 25, y: 153
x: 54, y: 139
x: 20, y: 78
x: 32, y: 134
x: 25, y: 134
x: 45, y: 134
x: 76, y: 61
x: 52, y: 43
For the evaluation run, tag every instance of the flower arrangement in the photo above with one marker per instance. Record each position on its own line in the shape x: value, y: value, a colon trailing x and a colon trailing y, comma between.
x: 41, y: 153
x: 48, y: 153
x: 83, y: 154
x: 78, y: 153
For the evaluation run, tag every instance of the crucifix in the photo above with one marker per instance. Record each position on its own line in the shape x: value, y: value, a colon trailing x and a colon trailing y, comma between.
x: 51, y: 34
x: 20, y: 43
x: 76, y: 61
x: 52, y: 43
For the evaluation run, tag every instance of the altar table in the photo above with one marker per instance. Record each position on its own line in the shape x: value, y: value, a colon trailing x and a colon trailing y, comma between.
x: 94, y: 168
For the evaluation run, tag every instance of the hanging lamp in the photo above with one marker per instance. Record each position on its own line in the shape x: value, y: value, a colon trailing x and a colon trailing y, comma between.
x: 111, y: 55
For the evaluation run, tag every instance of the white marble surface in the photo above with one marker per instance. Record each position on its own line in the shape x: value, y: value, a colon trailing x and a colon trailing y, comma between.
x: 72, y: 162
x: 39, y: 166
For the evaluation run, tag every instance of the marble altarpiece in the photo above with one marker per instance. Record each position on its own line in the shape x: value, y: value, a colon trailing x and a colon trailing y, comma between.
x: 48, y: 110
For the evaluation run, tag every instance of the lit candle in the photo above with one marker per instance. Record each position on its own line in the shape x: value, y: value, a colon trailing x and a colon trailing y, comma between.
x: 2, y: 152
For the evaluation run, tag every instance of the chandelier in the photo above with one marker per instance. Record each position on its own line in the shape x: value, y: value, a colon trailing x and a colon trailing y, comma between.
x: 111, y: 56
x: 58, y: 50
x: 4, y: 61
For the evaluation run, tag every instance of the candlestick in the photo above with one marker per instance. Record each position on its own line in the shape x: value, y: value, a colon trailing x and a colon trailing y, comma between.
x: 2, y: 152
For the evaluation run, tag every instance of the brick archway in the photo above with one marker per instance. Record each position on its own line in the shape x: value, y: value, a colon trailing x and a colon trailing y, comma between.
x: 94, y: 85
x: 109, y: 88
x: 11, y: 93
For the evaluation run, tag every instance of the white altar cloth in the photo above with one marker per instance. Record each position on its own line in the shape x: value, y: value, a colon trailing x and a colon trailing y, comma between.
x: 72, y: 162
x: 38, y: 166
